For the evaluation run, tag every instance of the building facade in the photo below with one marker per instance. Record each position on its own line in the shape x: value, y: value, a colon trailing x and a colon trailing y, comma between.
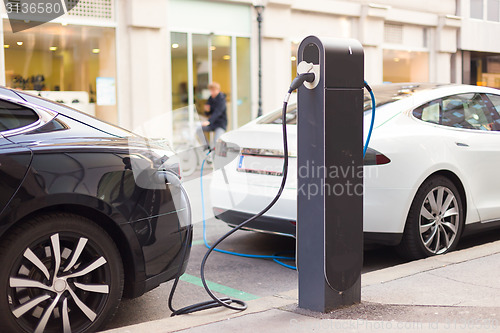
x: 404, y: 41
x: 146, y: 64
x: 478, y: 42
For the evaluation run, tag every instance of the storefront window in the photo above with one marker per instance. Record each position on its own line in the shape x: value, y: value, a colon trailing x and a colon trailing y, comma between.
x: 406, y: 66
x: 222, y: 59
x: 75, y: 65
x: 485, y: 69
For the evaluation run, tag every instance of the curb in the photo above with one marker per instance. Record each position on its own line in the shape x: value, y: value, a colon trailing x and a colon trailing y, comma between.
x: 182, y: 322
x: 429, y: 264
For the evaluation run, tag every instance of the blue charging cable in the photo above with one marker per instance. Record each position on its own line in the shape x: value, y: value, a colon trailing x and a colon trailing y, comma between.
x: 276, y: 257
x: 372, y: 121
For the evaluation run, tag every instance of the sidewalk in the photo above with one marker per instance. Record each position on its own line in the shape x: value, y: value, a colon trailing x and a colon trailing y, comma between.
x: 456, y: 292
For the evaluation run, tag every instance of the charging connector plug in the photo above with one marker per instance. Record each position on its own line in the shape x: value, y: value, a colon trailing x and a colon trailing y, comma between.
x: 300, y: 79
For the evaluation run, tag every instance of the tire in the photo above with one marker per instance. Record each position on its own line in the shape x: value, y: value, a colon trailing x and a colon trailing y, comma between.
x: 84, y: 293
x: 435, y: 220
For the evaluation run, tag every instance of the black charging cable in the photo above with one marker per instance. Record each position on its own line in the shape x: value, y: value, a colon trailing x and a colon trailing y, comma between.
x: 228, y: 301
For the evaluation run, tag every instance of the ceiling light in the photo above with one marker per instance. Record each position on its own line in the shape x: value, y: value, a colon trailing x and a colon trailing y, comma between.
x: 396, y: 59
x: 175, y: 46
x: 213, y: 48
x: 95, y: 51
x: 64, y: 24
x: 53, y: 48
x: 226, y: 57
x: 6, y: 46
x: 20, y: 43
x: 293, y: 58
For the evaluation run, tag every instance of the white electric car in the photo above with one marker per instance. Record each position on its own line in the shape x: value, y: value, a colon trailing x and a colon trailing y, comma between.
x: 430, y: 173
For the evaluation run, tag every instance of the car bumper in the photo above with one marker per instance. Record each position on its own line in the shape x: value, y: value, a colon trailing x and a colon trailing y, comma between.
x: 267, y: 224
x: 251, y: 199
x: 284, y: 227
x: 385, y: 210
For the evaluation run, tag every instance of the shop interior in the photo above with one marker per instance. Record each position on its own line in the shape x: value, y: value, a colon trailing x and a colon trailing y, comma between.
x: 72, y: 64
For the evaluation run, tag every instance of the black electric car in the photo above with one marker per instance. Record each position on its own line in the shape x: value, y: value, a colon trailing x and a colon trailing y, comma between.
x: 89, y: 213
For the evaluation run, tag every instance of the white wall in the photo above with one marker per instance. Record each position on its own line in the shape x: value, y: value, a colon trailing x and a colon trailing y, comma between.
x: 477, y: 35
x: 143, y: 67
x: 276, y: 72
x: 287, y: 20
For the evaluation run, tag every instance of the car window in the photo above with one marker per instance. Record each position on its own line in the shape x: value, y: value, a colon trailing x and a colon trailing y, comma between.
x: 495, y: 110
x: 13, y: 116
x: 467, y: 111
x: 495, y: 101
x: 429, y: 112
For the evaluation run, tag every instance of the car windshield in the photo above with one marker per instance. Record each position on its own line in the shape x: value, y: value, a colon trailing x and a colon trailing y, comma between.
x: 384, y: 94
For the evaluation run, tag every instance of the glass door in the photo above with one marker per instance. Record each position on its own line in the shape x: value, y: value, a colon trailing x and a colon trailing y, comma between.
x: 179, y: 70
x: 221, y: 70
x: 197, y: 60
x: 201, y: 70
x: 243, y: 79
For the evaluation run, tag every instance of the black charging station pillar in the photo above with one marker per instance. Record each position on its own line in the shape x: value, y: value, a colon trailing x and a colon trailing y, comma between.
x: 330, y: 180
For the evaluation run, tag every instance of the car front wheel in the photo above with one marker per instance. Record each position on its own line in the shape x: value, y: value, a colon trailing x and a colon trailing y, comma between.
x: 60, y: 273
x: 435, y: 220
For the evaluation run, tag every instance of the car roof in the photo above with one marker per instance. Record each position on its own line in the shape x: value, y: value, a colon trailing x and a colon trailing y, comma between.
x: 19, y: 95
x: 392, y: 92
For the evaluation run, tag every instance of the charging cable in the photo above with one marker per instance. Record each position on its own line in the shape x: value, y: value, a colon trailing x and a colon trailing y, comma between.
x: 227, y: 301
x: 277, y: 257
x: 372, y: 96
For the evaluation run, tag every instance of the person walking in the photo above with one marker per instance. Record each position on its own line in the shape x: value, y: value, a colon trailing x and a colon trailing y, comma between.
x: 216, y: 110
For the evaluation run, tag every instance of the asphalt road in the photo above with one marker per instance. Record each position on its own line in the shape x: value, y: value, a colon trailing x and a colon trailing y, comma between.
x: 243, y: 278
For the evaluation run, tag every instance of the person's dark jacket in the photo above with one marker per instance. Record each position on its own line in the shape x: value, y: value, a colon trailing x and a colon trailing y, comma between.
x: 217, y: 114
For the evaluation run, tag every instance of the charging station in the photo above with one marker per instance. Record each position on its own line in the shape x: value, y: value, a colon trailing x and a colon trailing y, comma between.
x: 330, y: 179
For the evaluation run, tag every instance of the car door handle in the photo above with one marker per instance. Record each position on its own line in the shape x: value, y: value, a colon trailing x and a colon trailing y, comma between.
x: 461, y: 144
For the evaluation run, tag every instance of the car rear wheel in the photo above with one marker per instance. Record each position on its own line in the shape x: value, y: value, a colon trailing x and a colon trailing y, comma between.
x: 61, y: 273
x: 435, y: 220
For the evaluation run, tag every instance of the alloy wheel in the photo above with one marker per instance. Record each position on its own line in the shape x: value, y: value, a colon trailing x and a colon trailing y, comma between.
x: 60, y: 283
x: 439, y: 220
